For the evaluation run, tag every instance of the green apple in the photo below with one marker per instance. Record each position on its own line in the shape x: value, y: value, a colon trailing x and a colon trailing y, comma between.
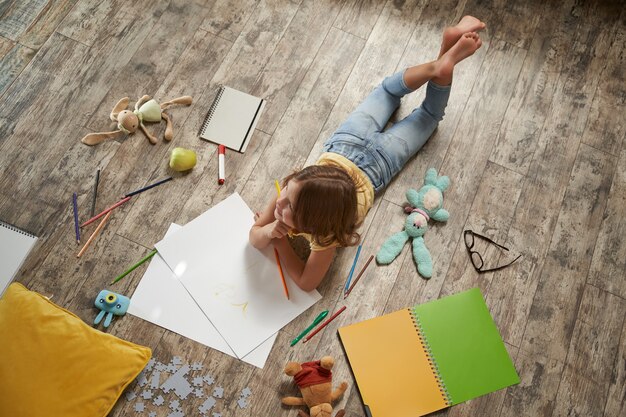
x: 182, y: 159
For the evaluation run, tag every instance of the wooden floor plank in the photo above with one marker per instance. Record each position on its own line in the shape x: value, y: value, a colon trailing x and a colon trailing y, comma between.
x: 46, y: 22
x: 563, y: 275
x: 518, y: 137
x: 18, y: 16
x: 539, y: 382
x: 616, y: 402
x: 358, y: 17
x: 603, y: 131
x: 12, y: 62
x: 291, y: 59
x: 609, y: 256
x: 227, y: 19
x: 585, y: 382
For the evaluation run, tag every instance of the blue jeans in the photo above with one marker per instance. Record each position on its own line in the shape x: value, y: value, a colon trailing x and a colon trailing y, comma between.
x: 382, y: 154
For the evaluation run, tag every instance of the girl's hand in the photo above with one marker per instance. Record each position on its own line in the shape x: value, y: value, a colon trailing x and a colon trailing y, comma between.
x: 276, y: 229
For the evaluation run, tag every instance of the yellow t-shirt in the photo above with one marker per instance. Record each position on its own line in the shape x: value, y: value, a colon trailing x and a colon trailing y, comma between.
x: 364, y: 192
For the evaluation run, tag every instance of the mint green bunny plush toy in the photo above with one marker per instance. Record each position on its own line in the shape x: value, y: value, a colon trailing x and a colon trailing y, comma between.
x: 425, y: 204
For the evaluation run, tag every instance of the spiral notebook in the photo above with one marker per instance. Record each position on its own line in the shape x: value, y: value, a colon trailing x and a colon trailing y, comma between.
x: 15, y: 244
x: 422, y: 359
x: 231, y: 118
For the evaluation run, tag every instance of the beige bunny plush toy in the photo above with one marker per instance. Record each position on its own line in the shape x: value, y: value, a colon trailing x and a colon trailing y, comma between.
x: 146, y: 110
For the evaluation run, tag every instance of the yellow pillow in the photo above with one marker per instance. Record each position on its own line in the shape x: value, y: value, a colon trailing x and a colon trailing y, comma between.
x: 53, y: 364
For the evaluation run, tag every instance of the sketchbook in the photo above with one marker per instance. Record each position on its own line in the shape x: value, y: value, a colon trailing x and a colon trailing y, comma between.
x: 16, y: 245
x: 179, y: 313
x: 235, y: 285
x: 231, y: 118
x: 422, y: 359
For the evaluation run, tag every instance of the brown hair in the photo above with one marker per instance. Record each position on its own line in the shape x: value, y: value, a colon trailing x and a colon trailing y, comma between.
x: 326, y: 206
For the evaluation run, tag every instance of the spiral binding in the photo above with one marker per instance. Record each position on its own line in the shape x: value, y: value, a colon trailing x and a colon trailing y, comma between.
x: 211, y: 111
x: 431, y: 359
x: 15, y: 229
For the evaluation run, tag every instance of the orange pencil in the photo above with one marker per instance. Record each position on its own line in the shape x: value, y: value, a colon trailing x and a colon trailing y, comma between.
x: 93, y: 235
x: 347, y: 293
x: 321, y: 326
x: 282, y: 276
x: 94, y: 218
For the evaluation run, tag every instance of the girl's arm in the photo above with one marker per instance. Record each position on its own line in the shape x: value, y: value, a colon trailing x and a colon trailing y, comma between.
x: 266, y: 227
x: 307, y: 275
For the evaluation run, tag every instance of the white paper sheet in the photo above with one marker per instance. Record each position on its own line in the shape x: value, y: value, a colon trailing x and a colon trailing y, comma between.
x: 236, y: 286
x: 161, y: 298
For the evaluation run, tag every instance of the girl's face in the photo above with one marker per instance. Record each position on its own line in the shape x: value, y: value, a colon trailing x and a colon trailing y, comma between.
x: 286, y: 202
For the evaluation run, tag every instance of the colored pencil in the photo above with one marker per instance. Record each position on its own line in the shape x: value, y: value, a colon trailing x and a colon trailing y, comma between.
x: 147, y: 187
x: 277, y: 187
x: 358, y: 277
x: 95, y: 193
x: 282, y: 276
x: 106, y: 211
x: 76, y: 228
x: 356, y: 258
x: 321, y: 326
x: 132, y: 268
x: 94, y: 234
x: 304, y: 332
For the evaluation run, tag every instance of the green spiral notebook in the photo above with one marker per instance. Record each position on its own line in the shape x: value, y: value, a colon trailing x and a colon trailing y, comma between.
x: 425, y: 358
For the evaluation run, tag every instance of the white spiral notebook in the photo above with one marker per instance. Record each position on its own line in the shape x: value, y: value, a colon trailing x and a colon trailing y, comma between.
x: 231, y: 118
x: 15, y: 244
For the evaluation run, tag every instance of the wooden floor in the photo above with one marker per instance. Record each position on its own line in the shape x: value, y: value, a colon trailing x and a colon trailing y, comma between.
x: 533, y: 143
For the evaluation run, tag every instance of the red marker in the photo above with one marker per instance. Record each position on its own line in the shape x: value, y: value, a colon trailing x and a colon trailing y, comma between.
x: 221, y: 176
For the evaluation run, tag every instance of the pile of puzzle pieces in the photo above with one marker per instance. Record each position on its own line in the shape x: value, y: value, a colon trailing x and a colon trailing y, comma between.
x: 169, y: 386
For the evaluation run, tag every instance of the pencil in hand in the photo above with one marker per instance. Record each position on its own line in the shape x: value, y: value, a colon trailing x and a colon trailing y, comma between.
x: 282, y: 275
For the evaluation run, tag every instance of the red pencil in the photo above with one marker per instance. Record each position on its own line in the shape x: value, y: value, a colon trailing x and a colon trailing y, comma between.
x: 93, y: 219
x: 358, y: 277
x: 321, y: 326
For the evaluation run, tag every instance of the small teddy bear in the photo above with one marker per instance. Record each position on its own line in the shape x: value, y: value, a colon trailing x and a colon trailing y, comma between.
x: 315, y: 382
x: 146, y: 110
x: 425, y: 204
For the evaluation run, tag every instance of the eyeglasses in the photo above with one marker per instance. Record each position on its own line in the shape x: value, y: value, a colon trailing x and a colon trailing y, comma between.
x: 477, y: 260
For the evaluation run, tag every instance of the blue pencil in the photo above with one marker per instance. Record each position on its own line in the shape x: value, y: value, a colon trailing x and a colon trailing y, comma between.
x: 76, y: 228
x: 356, y: 258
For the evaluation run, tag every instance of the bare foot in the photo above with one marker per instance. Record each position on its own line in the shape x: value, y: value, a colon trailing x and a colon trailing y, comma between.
x: 452, y: 34
x: 467, y: 44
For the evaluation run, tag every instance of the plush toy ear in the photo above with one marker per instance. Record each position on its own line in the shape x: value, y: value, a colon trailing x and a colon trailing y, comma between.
x: 391, y: 248
x: 292, y: 368
x: 327, y: 362
x: 443, y: 183
x: 186, y: 100
x: 431, y: 177
x: 422, y: 258
x: 121, y: 105
x: 95, y: 138
x: 303, y: 414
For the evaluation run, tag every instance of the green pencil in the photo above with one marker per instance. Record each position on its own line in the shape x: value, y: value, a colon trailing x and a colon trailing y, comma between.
x: 308, y: 329
x: 132, y: 268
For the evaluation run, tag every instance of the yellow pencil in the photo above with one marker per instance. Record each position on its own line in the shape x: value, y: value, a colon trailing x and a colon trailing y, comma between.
x: 93, y: 235
x: 277, y: 187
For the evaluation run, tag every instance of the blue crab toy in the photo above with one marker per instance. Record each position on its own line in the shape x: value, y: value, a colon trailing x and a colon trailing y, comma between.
x: 424, y: 205
x: 111, y: 304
